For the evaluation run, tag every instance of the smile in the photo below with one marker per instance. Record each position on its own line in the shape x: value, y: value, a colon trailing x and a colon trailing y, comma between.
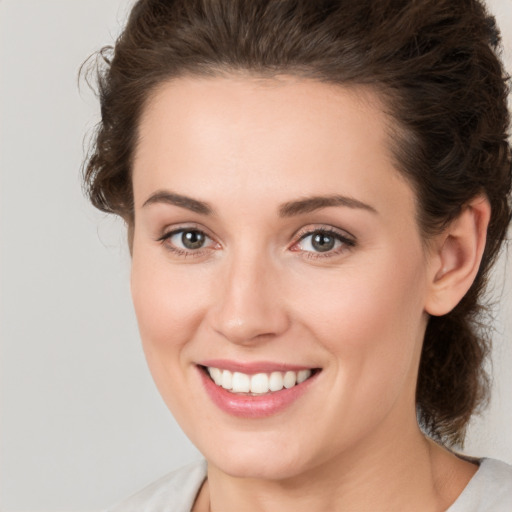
x: 255, y: 390
x: 259, y: 383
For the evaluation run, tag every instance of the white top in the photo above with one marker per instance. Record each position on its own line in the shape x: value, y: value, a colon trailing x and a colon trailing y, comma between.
x: 490, y: 490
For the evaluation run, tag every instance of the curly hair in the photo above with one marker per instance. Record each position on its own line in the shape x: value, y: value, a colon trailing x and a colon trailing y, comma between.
x: 435, y: 64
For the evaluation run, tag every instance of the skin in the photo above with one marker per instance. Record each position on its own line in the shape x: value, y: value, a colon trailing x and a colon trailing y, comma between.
x: 256, y: 291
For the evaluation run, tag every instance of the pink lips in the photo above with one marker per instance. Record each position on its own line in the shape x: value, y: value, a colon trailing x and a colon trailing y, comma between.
x: 248, y: 406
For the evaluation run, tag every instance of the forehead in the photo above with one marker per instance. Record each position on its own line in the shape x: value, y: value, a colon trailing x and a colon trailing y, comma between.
x: 237, y: 136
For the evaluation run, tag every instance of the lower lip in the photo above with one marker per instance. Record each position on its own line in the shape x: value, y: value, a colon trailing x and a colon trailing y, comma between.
x: 260, y: 406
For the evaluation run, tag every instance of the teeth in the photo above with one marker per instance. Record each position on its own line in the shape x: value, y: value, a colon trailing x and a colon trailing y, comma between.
x: 216, y: 375
x: 290, y: 378
x: 275, y: 381
x: 302, y: 375
x: 241, y: 383
x: 259, y: 383
x: 227, y: 380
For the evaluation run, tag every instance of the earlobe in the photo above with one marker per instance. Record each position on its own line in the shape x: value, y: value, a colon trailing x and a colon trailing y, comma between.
x: 456, y: 257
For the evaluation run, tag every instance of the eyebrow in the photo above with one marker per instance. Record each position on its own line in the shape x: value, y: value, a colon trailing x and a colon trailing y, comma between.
x: 310, y: 204
x: 288, y: 209
x: 193, y: 205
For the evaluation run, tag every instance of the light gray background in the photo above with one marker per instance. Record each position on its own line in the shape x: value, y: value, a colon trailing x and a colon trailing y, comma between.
x: 82, y: 425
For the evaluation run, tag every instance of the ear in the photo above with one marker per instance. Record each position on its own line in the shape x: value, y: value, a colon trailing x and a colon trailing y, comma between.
x: 455, y: 257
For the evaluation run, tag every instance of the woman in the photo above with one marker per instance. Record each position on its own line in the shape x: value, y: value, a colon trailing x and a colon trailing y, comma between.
x: 314, y: 193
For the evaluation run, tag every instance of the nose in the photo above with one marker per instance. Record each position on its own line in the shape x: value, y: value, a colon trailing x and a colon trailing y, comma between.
x: 250, y: 305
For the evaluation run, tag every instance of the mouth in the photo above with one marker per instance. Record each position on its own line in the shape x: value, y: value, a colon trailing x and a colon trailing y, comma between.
x: 256, y: 390
x: 258, y: 384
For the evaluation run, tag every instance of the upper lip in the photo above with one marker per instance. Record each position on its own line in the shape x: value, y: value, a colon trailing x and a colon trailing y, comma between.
x: 254, y: 367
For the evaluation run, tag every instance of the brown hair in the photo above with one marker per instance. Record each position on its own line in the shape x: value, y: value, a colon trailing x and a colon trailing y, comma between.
x: 433, y: 62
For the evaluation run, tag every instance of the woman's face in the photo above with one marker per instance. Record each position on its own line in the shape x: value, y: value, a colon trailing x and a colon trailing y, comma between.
x: 274, y: 240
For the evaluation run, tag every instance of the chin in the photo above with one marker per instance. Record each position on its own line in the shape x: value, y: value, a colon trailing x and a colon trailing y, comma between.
x: 260, y: 468
x: 258, y: 458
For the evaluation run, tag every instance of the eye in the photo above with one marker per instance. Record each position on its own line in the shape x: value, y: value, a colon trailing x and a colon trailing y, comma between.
x: 189, y: 239
x: 323, y: 242
x: 319, y: 242
x: 186, y: 241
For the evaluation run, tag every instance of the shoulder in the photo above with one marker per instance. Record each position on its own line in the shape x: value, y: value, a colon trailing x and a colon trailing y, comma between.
x: 490, y: 489
x: 174, y: 492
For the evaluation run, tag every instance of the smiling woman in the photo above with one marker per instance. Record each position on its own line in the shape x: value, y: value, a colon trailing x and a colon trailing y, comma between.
x: 314, y: 192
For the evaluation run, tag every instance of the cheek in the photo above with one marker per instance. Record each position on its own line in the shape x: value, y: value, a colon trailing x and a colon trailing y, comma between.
x: 169, y: 303
x: 369, y: 314
x: 371, y: 323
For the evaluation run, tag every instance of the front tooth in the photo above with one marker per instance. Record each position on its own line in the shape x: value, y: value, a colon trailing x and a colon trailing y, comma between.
x: 275, y: 383
x: 303, y: 375
x: 289, y: 379
x: 241, y: 383
x: 227, y: 379
x: 259, y: 383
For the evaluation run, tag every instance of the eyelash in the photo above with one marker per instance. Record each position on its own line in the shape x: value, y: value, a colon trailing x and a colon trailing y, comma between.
x: 346, y: 242
x: 190, y: 253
